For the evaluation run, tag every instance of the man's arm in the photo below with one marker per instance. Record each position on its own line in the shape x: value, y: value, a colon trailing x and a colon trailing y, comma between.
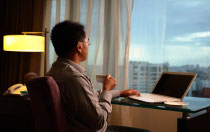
x: 115, y: 93
x: 93, y: 110
x: 129, y: 92
x: 89, y: 109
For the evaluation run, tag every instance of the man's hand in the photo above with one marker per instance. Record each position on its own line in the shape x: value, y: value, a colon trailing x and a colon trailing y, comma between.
x: 129, y: 92
x: 109, y: 83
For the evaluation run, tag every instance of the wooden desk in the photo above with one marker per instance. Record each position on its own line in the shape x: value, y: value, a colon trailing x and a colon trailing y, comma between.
x: 15, y: 114
x: 195, y: 116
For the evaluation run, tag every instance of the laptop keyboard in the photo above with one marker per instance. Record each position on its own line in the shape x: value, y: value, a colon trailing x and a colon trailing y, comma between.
x: 152, y: 98
x: 158, y: 98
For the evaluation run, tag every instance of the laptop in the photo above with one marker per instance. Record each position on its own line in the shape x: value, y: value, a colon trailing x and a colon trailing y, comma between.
x: 170, y: 87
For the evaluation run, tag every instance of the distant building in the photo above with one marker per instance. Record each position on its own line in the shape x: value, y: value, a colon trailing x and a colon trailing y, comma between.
x: 143, y: 75
x: 192, y: 88
x: 206, y: 92
x: 205, y: 83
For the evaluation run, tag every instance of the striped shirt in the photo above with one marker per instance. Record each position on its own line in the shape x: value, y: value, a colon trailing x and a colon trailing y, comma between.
x: 86, y: 109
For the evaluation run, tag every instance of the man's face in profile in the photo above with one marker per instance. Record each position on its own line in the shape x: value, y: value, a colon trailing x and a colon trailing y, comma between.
x: 85, y: 47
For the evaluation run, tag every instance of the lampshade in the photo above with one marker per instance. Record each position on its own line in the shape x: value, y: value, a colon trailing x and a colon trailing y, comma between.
x: 24, y: 43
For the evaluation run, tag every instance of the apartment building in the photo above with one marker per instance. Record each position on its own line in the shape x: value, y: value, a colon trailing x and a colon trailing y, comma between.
x: 143, y: 75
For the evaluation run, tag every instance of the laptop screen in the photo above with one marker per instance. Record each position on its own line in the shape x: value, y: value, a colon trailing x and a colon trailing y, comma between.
x: 174, y: 85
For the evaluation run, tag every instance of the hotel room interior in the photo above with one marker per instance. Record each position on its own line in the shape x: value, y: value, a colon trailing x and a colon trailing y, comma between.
x: 15, y: 111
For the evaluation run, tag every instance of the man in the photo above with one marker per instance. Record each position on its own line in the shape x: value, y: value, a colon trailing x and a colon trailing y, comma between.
x: 86, y: 110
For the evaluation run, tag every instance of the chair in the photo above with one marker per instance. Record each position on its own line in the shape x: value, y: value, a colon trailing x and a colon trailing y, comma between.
x: 47, y: 107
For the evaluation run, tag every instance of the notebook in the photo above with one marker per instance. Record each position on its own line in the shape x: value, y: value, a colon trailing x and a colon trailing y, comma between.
x: 170, y: 87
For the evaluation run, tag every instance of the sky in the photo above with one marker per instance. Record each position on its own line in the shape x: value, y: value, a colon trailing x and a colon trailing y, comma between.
x: 174, y: 31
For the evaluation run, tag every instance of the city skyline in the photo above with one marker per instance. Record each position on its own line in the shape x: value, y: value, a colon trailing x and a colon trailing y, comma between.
x: 143, y: 75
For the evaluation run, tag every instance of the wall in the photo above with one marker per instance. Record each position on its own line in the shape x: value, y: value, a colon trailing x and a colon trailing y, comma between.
x: 150, y: 119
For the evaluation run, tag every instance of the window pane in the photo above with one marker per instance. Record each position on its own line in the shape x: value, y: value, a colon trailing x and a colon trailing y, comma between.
x: 170, y: 35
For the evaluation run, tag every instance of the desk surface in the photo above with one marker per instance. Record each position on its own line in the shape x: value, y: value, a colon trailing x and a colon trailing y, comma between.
x: 195, y: 104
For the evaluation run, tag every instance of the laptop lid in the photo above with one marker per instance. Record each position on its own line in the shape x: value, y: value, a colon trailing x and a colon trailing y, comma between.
x: 174, y: 84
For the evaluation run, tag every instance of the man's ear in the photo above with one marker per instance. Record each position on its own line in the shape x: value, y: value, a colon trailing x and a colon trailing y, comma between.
x: 79, y: 47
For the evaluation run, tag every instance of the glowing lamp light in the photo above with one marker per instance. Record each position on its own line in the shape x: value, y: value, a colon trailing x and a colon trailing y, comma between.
x: 24, y: 43
x: 27, y: 43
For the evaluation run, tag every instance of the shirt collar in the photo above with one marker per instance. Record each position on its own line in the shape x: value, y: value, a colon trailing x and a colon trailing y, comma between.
x: 76, y: 66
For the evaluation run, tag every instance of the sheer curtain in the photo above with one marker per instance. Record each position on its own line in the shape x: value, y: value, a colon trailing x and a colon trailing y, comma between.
x: 148, y: 32
x: 108, y: 25
x: 147, y: 43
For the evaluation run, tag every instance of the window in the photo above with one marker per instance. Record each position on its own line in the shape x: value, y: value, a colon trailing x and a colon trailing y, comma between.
x: 135, y: 74
x: 171, y: 35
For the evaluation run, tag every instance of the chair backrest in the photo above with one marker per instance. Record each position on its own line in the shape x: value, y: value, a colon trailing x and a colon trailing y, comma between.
x: 47, y: 107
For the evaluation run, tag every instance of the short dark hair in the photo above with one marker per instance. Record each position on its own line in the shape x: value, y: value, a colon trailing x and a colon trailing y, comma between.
x: 65, y: 36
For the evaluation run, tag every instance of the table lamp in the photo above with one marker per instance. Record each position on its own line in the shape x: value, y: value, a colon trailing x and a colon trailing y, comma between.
x: 26, y: 43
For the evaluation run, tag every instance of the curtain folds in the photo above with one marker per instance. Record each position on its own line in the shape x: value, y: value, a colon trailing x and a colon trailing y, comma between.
x: 108, y: 25
x: 17, y: 16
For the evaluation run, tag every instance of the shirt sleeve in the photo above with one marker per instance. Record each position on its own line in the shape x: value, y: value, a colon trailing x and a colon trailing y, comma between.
x: 115, y: 93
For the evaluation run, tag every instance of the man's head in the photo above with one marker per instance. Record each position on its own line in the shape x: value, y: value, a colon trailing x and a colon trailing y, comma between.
x: 67, y: 36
